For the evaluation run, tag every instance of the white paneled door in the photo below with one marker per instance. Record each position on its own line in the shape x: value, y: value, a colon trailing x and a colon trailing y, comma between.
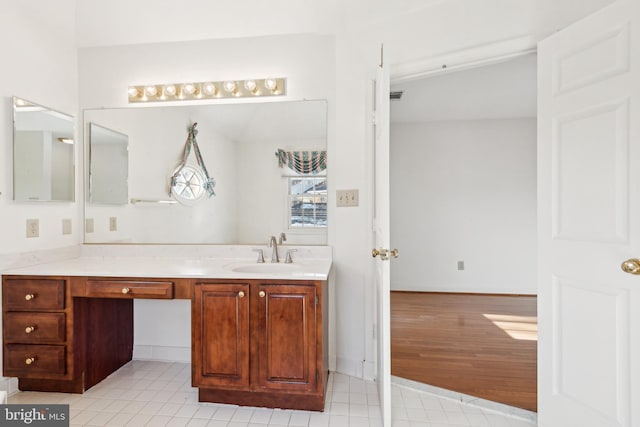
x: 381, y: 228
x: 589, y: 221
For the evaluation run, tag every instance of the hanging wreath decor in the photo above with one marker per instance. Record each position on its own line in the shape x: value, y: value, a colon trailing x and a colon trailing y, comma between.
x: 189, y: 183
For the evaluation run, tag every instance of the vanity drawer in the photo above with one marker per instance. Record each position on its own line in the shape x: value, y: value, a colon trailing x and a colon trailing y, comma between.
x: 20, y: 327
x: 26, y: 359
x: 33, y: 294
x: 129, y: 289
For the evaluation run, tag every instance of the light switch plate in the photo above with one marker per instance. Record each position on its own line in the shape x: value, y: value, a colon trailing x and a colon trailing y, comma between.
x: 33, y: 228
x: 88, y: 225
x: 66, y: 226
x: 113, y: 223
x: 347, y: 198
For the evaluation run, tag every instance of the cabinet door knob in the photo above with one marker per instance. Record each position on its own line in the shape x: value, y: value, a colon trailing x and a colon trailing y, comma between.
x: 29, y: 297
x: 241, y: 294
x: 29, y: 329
x: 30, y: 360
x: 126, y: 290
x: 262, y: 294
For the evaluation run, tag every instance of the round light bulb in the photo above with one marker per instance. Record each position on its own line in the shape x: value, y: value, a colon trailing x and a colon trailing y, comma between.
x: 210, y: 89
x: 170, y: 90
x: 271, y: 84
x: 251, y: 86
x: 230, y: 87
x: 151, y: 90
x: 189, y: 88
x: 133, y: 92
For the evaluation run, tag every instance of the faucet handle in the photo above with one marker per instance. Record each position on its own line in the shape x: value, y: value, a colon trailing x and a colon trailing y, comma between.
x: 282, y: 238
x: 260, y: 255
x: 288, y: 259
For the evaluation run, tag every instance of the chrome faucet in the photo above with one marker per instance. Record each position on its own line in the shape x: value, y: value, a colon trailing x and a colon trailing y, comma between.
x: 282, y: 238
x: 274, y: 243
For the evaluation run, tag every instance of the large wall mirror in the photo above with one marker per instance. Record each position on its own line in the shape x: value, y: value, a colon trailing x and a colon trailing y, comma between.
x: 238, y: 143
x: 43, y: 155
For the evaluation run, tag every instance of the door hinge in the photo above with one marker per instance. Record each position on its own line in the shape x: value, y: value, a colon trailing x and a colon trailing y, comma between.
x: 316, y: 299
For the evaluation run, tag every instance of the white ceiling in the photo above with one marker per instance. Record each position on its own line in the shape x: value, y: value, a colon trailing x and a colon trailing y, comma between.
x: 503, y: 90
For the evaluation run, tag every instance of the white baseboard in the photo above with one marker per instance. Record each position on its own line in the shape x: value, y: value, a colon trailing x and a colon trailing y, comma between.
x: 369, y: 371
x: 349, y: 367
x: 161, y: 353
x: 8, y: 384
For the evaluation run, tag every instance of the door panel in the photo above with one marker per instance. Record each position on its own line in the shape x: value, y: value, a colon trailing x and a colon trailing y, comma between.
x: 588, y: 200
x: 222, y: 328
x: 381, y: 240
x: 287, y: 337
x: 592, y: 206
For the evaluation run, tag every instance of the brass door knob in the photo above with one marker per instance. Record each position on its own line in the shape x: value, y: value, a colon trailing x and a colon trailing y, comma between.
x: 29, y: 329
x: 631, y: 266
x: 241, y: 294
x: 262, y: 294
x: 383, y: 253
x: 29, y: 297
x: 29, y: 360
x: 126, y: 290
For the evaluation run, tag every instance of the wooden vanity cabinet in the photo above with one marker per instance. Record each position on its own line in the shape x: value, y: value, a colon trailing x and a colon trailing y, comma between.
x: 37, y: 332
x: 260, y: 343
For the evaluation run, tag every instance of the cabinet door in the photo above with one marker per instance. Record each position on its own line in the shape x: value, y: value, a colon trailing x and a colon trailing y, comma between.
x: 221, y: 335
x: 286, y: 336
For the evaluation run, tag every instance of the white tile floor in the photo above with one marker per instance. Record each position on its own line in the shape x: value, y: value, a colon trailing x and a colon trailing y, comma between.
x: 146, y: 393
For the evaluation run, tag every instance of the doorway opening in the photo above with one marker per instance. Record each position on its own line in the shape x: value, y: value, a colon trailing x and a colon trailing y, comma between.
x: 463, y: 211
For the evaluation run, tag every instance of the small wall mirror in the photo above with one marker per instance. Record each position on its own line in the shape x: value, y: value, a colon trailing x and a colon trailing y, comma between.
x: 108, y: 166
x: 43, y: 155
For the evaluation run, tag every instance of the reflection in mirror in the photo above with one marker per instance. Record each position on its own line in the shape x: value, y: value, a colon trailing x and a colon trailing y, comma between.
x: 43, y: 167
x: 108, y: 166
x: 238, y: 143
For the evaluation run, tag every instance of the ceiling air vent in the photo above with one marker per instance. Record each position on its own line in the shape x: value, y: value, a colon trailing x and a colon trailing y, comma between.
x: 396, y: 95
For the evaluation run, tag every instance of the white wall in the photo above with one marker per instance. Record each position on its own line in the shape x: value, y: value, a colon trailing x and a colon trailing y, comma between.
x: 40, y: 65
x: 464, y: 190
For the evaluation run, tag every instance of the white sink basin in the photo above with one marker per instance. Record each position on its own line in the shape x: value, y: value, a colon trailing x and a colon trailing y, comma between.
x: 274, y: 268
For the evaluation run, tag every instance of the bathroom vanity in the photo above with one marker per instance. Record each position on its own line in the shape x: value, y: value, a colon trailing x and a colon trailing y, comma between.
x: 258, y: 331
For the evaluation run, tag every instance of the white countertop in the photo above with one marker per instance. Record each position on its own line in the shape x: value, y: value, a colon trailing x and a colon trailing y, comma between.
x: 309, y: 263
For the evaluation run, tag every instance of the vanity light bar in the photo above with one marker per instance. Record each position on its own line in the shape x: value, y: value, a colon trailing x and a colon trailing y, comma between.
x: 208, y: 90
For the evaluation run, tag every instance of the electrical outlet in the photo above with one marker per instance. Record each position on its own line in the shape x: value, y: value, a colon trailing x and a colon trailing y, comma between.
x: 88, y: 225
x: 347, y: 198
x: 113, y: 223
x: 66, y: 226
x: 460, y: 265
x: 33, y: 228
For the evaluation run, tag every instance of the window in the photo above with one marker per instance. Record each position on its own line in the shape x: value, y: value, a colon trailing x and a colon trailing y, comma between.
x: 307, y: 202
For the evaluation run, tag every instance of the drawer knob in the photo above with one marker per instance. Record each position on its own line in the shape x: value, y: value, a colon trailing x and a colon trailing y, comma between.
x: 241, y: 294
x: 30, y: 360
x: 262, y: 294
x: 29, y: 329
x: 126, y: 290
x: 29, y: 297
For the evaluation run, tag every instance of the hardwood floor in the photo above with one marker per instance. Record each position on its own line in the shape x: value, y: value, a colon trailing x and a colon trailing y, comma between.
x: 477, y: 344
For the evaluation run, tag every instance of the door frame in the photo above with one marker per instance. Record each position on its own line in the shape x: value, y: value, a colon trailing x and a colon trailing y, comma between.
x: 478, y: 56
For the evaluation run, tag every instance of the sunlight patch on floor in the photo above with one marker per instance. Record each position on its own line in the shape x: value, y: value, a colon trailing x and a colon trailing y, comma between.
x: 517, y: 327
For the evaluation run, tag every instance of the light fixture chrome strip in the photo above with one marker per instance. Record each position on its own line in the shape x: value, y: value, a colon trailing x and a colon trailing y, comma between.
x: 208, y: 90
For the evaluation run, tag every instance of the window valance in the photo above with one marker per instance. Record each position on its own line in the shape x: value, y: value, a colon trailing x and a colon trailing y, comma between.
x: 303, y: 162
